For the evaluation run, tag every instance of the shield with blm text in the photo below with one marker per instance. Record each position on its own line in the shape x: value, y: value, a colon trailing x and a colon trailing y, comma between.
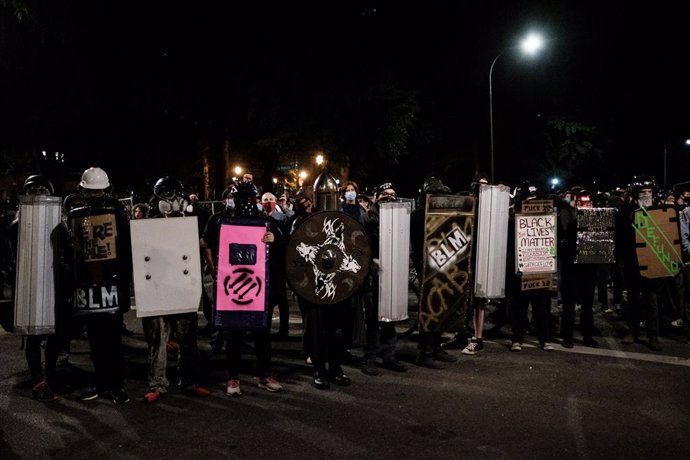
x: 445, y: 285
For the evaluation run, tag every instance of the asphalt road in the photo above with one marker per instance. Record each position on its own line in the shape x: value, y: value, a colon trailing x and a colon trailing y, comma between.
x: 612, y: 402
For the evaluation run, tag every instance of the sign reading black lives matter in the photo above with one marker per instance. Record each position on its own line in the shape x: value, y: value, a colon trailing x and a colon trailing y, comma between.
x: 596, y: 236
x: 535, y: 243
x: 445, y: 286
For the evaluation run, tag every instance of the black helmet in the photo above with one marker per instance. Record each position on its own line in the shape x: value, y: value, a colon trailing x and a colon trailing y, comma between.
x: 244, y: 195
x: 168, y: 188
x: 37, y: 180
x: 525, y: 190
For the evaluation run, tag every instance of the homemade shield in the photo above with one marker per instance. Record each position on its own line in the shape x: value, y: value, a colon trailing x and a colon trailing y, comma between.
x: 34, y: 307
x: 445, y: 287
x: 167, y: 269
x: 535, y: 243
x: 492, y: 241
x: 596, y: 236
x: 327, y: 258
x: 97, y: 287
x: 657, y: 238
x: 242, y: 286
x: 394, y: 254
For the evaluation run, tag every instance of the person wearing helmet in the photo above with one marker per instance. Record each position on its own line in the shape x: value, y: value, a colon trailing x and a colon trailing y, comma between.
x: 381, y: 336
x: 579, y: 280
x: 180, y: 329
x: 42, y: 378
x: 244, y: 198
x: 103, y: 328
x: 642, y: 293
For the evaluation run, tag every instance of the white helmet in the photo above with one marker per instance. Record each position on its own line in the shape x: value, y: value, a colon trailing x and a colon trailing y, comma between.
x: 94, y: 179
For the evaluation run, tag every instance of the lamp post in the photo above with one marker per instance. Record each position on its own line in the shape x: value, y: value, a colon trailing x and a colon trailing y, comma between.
x: 530, y: 46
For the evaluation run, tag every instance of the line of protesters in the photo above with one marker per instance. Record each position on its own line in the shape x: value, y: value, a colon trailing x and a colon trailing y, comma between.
x: 328, y: 332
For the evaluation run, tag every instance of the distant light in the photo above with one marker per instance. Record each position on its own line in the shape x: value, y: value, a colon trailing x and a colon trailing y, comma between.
x: 555, y: 181
x: 687, y: 141
x: 238, y: 170
x: 337, y: 181
x: 302, y: 174
x: 275, y: 181
x: 532, y: 44
x: 234, y: 179
x: 319, y: 160
x: 44, y: 153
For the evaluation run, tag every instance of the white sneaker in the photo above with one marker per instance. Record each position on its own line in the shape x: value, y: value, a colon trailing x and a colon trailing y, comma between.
x: 546, y: 346
x: 472, y: 348
x: 677, y: 322
x: 233, y: 388
x: 516, y: 346
x: 270, y: 383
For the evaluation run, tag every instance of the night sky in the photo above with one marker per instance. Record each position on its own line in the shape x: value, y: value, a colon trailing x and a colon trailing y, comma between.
x: 141, y: 89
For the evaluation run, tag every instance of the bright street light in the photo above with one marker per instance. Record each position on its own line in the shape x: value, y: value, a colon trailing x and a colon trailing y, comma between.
x: 531, y: 45
x: 319, y: 160
x: 238, y: 170
x: 303, y: 174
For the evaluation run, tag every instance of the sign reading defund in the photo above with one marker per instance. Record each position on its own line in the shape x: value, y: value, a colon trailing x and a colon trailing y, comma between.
x: 535, y: 243
x: 445, y: 287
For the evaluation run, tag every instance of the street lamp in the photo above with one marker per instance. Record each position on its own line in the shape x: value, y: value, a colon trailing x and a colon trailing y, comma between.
x: 319, y: 159
x: 238, y: 170
x: 530, y: 46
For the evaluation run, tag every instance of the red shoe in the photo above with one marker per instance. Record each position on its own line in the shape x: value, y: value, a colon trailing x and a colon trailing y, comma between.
x: 152, y: 396
x: 197, y: 390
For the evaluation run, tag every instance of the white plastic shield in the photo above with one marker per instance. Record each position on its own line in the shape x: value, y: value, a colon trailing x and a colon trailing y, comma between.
x: 492, y: 241
x: 167, y: 268
x: 34, y: 307
x: 394, y: 256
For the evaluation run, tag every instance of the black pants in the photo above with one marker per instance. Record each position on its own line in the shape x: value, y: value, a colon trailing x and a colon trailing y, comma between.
x: 34, y: 355
x: 106, y: 350
x: 233, y: 352
x: 540, y: 299
x: 579, y: 282
x: 324, y: 335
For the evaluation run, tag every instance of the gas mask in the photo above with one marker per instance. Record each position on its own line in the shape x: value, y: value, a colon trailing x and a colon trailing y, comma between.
x: 176, y: 206
x: 645, y: 199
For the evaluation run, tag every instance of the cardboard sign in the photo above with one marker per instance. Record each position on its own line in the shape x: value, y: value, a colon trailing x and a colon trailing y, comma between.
x: 531, y: 283
x: 537, y: 207
x: 535, y: 243
x: 242, y: 269
x: 596, y: 236
x: 167, y: 266
x: 657, y: 238
x: 95, y: 237
x: 445, y: 284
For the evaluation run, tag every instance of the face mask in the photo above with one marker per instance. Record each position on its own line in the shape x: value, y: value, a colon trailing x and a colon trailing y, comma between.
x: 259, y: 207
x: 645, y: 199
x: 230, y: 203
x: 269, y: 206
x: 350, y: 196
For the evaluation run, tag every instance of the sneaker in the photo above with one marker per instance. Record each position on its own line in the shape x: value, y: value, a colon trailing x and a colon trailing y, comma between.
x: 567, y: 343
x: 473, y: 348
x: 654, y: 344
x: 546, y: 346
x: 442, y: 355
x: 233, y: 388
x: 677, y: 322
x: 196, y: 390
x: 339, y: 377
x: 320, y: 381
x: 609, y: 311
x: 270, y: 383
x: 458, y: 342
x: 89, y: 395
x: 394, y: 366
x: 516, y: 346
x: 42, y: 392
x: 425, y: 360
x: 119, y: 396
x: 370, y: 368
x: 152, y: 396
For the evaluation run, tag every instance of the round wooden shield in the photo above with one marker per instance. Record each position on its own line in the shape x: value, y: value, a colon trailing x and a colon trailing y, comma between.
x: 328, y: 257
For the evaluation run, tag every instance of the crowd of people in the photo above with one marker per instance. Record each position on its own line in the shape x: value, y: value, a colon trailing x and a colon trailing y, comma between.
x: 330, y: 332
